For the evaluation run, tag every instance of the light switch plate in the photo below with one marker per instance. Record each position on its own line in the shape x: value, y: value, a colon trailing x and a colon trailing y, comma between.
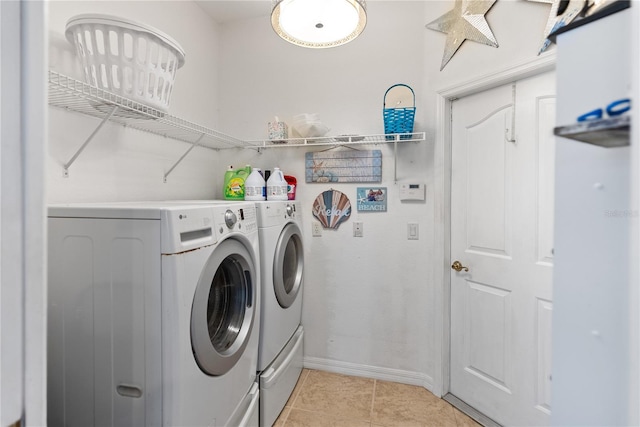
x: 358, y: 229
x: 413, y: 231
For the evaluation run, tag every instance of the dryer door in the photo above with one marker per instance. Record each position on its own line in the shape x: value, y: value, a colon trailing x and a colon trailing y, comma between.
x: 223, y: 309
x: 288, y: 263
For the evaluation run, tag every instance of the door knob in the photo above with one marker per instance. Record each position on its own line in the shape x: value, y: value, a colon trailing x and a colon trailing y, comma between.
x: 457, y: 266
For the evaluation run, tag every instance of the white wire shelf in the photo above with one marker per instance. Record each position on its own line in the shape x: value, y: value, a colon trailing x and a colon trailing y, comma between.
x: 348, y: 141
x: 74, y: 95
x: 341, y: 140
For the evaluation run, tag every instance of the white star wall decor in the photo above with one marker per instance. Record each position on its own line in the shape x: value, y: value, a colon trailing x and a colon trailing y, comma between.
x: 556, y: 21
x: 465, y: 21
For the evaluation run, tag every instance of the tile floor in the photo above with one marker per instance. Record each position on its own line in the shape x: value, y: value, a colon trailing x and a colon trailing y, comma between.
x: 323, y: 399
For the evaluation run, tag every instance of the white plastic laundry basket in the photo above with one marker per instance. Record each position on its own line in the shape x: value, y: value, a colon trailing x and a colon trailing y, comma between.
x: 126, y: 58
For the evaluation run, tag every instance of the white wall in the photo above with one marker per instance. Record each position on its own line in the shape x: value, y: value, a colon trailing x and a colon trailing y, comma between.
x: 634, y: 235
x: 364, y: 301
x: 123, y: 164
x: 591, y: 366
x: 369, y: 305
x: 23, y: 294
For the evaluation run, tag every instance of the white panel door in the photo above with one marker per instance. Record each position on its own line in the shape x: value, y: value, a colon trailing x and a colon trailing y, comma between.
x: 501, y: 230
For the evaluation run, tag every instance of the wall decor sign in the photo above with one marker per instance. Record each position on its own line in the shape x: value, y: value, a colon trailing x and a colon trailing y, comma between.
x: 372, y: 199
x: 331, y: 208
x: 343, y: 166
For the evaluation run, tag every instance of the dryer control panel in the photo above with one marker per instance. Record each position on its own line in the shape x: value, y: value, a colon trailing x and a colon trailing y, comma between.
x: 237, y: 217
x: 290, y: 210
x: 276, y: 213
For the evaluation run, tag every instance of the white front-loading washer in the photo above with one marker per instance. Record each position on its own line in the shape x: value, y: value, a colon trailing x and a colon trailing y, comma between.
x: 281, y: 334
x: 154, y: 312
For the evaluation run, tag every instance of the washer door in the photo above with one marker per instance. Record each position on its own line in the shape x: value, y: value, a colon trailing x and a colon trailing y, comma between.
x: 288, y: 263
x: 223, y: 308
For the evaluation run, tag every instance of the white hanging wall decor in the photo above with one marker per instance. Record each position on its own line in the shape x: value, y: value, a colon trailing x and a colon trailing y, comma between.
x: 343, y: 166
x: 331, y: 208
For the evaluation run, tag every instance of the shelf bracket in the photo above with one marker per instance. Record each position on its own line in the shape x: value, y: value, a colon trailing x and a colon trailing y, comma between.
x: 195, y: 144
x: 66, y: 166
x: 395, y: 158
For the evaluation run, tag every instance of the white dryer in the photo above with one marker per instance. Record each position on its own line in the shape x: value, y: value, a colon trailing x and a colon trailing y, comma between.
x: 281, y: 334
x: 154, y: 312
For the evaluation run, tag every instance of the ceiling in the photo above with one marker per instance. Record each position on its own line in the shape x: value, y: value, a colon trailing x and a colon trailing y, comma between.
x: 224, y: 11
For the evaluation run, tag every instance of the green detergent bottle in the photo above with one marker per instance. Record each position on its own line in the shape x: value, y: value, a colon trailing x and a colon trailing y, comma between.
x: 234, y: 182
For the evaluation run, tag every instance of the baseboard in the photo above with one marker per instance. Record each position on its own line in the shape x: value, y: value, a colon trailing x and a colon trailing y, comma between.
x: 358, y: 370
x: 471, y: 412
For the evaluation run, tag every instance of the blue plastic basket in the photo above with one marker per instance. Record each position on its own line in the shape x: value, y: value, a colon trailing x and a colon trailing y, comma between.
x: 400, y: 118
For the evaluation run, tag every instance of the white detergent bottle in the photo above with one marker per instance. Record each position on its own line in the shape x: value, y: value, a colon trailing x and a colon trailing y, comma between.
x: 277, y: 186
x: 255, y: 186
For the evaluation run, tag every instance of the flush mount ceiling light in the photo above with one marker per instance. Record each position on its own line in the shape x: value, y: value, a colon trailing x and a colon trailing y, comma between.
x: 318, y: 23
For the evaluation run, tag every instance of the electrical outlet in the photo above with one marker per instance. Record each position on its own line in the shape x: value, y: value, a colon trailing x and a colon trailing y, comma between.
x: 316, y: 229
x: 357, y: 229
